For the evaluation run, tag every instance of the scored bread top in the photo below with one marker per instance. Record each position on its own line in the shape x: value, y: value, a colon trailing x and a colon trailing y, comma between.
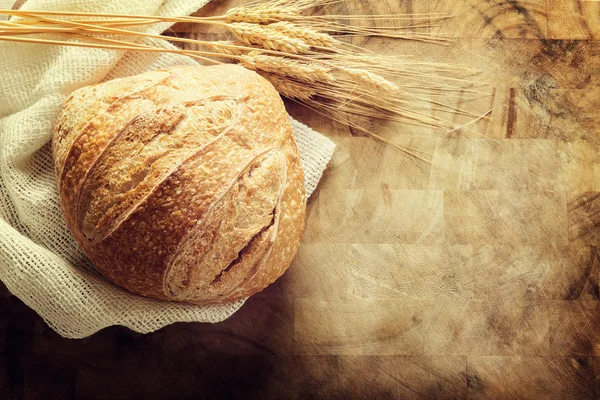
x: 182, y: 184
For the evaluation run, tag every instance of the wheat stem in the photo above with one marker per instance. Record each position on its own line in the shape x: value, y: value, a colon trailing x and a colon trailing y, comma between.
x: 310, y: 36
x: 371, y: 80
x: 116, y: 46
x: 289, y: 88
x: 268, y: 38
x: 263, y: 14
x: 305, y: 72
x: 295, y: 52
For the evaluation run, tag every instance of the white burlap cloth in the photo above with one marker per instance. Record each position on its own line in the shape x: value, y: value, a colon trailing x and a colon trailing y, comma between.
x: 40, y: 262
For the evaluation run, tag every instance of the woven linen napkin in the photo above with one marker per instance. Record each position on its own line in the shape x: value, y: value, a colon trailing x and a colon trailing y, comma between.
x: 40, y: 262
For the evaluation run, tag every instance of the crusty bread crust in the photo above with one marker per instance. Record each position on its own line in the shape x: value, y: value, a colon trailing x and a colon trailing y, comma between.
x: 182, y: 184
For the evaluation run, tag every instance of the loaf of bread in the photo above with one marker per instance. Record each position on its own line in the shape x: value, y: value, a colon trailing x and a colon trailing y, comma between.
x: 182, y: 184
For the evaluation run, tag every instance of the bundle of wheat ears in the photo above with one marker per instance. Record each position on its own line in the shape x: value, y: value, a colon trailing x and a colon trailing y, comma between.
x: 308, y: 58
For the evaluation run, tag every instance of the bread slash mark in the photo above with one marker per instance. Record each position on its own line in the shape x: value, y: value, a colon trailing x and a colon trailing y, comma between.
x: 248, y: 248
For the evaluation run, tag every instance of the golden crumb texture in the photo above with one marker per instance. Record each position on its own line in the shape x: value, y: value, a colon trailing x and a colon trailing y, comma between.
x: 182, y: 184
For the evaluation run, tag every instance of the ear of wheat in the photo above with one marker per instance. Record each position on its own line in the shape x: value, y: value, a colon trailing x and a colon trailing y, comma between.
x: 306, y: 57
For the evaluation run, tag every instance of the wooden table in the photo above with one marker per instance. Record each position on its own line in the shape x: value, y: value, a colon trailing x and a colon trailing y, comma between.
x: 474, y: 275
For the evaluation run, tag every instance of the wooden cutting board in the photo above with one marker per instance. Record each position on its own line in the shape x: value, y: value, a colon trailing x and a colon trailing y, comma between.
x: 473, y: 275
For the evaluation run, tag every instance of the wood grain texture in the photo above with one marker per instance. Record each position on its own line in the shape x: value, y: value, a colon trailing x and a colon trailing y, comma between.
x: 475, y: 275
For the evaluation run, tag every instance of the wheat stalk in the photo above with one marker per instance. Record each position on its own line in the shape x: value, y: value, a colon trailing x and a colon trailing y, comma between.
x: 310, y: 36
x: 305, y: 57
x: 325, y: 23
x: 226, y: 47
x: 289, y: 88
x: 262, y: 14
x: 370, y: 80
x: 305, y: 72
x: 268, y: 38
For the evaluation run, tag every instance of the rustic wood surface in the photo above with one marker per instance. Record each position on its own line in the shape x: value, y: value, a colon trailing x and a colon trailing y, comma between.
x: 472, y: 276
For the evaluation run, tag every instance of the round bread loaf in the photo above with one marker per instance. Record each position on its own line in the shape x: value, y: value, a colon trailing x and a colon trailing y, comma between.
x: 182, y: 184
